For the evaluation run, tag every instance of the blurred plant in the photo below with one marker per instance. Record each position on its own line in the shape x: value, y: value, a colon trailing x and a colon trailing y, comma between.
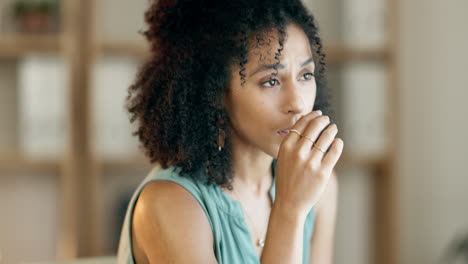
x: 458, y: 251
x: 35, y: 16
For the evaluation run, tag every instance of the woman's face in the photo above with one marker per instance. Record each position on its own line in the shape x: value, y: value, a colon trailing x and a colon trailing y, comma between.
x: 266, y: 105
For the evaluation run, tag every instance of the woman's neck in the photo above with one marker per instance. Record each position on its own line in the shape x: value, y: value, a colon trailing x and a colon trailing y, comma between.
x: 252, y: 168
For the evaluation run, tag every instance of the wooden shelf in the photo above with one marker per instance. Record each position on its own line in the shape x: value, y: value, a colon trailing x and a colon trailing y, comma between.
x: 23, y: 164
x: 124, y: 48
x: 347, y: 160
x: 125, y: 164
x: 335, y: 53
x: 14, y: 46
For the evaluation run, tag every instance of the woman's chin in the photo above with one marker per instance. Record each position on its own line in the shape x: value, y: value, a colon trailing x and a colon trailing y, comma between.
x: 274, y: 152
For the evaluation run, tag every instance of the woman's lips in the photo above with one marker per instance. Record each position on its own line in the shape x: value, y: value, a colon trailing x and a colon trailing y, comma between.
x: 283, y: 133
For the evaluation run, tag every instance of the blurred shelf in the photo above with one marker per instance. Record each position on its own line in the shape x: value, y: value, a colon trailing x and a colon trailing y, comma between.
x: 123, y: 48
x: 23, y: 164
x: 339, y: 54
x: 346, y: 160
x: 14, y: 46
x: 125, y: 164
x: 17, y: 163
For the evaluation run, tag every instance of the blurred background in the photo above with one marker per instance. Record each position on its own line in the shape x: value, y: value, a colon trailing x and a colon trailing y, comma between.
x: 68, y: 162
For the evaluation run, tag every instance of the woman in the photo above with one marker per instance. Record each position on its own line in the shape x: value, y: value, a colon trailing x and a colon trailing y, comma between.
x: 224, y: 107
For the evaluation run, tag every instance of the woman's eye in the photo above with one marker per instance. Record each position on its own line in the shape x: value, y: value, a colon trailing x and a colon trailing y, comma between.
x: 271, y: 82
x: 309, y: 76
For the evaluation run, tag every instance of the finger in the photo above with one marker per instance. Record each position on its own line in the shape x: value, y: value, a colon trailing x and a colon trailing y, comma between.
x: 324, y: 141
x: 331, y: 157
x: 293, y: 136
x: 312, y: 131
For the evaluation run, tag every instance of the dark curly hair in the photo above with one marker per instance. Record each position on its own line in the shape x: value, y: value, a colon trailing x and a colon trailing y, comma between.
x: 177, y: 95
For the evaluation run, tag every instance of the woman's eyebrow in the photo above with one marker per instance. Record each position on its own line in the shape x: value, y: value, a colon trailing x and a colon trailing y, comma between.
x: 267, y: 67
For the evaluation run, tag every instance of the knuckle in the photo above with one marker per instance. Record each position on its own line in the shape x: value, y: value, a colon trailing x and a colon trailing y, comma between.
x: 318, y: 121
x: 303, y: 156
x: 300, y: 155
x: 323, y: 175
x: 312, y: 165
x: 295, y: 154
x: 301, y: 120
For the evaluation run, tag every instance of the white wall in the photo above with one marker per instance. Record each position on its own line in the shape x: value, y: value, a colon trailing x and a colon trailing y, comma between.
x: 433, y: 63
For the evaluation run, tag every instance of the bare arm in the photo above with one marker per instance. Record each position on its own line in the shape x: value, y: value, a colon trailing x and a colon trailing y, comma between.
x: 171, y: 227
x: 322, y: 240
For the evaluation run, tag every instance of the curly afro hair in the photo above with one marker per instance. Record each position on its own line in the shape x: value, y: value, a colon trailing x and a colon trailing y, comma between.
x: 176, y: 98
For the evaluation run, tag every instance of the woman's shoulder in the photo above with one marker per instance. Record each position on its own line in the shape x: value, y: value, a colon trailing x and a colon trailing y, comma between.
x: 161, y: 195
x: 166, y: 184
x: 171, y: 208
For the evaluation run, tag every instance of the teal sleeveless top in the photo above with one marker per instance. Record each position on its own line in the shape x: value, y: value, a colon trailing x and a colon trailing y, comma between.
x: 232, y: 239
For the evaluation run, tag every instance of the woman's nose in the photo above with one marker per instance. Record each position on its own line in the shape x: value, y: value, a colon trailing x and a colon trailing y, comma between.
x: 294, y: 101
